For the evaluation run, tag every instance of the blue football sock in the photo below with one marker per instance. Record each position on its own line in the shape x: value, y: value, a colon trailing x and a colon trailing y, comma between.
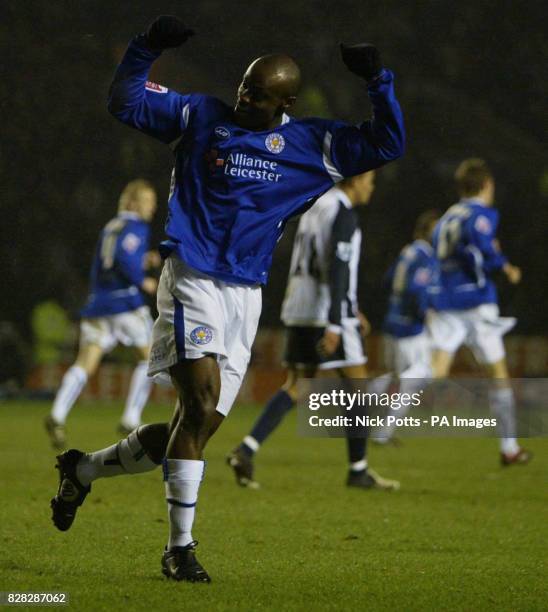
x: 356, y: 449
x: 270, y: 418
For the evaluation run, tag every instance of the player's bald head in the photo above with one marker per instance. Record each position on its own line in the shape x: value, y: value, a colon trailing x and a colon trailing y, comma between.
x: 277, y: 72
x: 268, y: 89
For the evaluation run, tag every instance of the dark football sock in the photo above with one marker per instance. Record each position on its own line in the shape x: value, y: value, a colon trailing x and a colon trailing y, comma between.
x: 356, y: 452
x: 270, y: 418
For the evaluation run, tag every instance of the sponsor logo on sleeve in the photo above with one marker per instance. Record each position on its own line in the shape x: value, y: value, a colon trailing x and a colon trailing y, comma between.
x: 422, y: 276
x: 155, y: 87
x: 131, y: 243
x: 344, y: 251
x: 483, y: 225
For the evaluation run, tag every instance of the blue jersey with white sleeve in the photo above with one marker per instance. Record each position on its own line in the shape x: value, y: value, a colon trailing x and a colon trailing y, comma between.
x: 413, y: 289
x: 233, y: 189
x: 465, y: 243
x: 117, y: 272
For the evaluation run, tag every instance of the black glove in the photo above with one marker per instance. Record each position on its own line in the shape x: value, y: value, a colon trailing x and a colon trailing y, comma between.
x: 363, y: 60
x: 167, y: 31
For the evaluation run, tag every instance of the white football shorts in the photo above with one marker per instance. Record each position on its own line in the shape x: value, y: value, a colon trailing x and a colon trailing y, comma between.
x: 410, y: 357
x: 133, y: 328
x: 302, y: 341
x: 480, y: 328
x: 199, y: 315
x: 351, y: 347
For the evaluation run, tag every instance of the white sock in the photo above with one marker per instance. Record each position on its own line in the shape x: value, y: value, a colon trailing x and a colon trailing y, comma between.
x: 358, y: 466
x: 139, y: 390
x: 406, y: 385
x: 380, y: 384
x: 502, y: 405
x: 385, y: 433
x: 71, y: 386
x: 251, y: 443
x: 182, y: 480
x: 126, y: 457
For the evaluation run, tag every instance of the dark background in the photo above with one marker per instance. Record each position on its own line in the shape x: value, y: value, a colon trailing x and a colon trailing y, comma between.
x: 470, y: 77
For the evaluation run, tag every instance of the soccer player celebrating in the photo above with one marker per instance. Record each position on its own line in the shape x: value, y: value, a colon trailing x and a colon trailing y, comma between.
x: 325, y: 328
x: 466, y: 310
x: 115, y: 311
x: 413, y: 287
x: 240, y: 173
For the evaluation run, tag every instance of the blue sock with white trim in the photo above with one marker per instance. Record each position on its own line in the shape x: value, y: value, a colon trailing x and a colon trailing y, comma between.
x: 275, y: 410
x: 182, y: 480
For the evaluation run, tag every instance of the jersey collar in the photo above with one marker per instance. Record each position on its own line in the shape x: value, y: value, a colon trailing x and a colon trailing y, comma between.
x: 473, y: 201
x: 424, y: 245
x: 129, y: 214
x: 342, y: 197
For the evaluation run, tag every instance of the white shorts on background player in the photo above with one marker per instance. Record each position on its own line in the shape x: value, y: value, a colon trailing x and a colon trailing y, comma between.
x: 352, y: 347
x: 481, y: 329
x: 199, y: 315
x: 133, y: 328
x: 411, y: 356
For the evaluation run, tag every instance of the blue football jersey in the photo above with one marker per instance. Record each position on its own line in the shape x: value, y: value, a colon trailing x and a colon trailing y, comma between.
x: 465, y: 243
x: 117, y: 272
x: 413, y: 289
x: 233, y: 189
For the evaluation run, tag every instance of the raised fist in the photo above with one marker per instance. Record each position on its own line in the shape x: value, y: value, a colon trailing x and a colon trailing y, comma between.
x: 363, y: 59
x: 167, y: 31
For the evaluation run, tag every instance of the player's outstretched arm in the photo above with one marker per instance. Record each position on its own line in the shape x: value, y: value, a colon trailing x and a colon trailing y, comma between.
x: 381, y: 139
x: 419, y: 287
x: 340, y: 253
x: 482, y: 230
x: 131, y: 246
x: 146, y: 106
x: 513, y: 273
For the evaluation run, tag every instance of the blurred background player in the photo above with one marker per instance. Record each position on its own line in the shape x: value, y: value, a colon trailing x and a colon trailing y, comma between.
x: 325, y: 328
x: 466, y: 309
x: 115, y: 311
x: 413, y: 282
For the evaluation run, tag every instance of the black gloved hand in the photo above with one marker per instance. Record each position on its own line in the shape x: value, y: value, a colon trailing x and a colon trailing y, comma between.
x: 167, y: 31
x: 363, y: 59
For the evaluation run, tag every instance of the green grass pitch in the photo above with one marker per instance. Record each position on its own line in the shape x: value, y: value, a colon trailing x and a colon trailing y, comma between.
x: 462, y: 534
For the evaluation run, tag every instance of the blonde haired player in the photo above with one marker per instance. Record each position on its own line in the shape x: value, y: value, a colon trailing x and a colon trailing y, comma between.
x: 115, y: 311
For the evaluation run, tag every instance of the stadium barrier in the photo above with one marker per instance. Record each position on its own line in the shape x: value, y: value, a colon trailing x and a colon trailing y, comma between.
x: 527, y: 357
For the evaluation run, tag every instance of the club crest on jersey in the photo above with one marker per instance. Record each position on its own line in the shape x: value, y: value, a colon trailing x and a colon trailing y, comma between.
x: 275, y: 143
x: 222, y: 132
x: 201, y: 335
